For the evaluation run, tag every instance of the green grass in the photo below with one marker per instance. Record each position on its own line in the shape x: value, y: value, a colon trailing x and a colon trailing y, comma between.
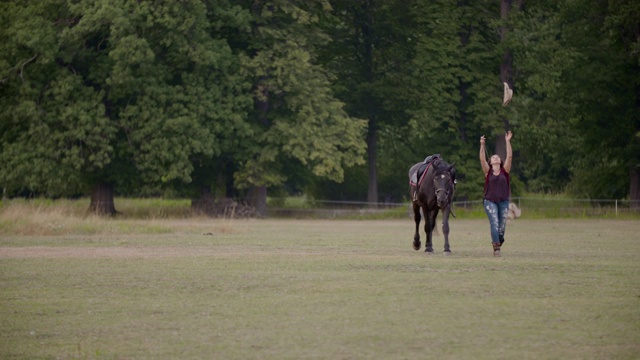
x: 292, y: 289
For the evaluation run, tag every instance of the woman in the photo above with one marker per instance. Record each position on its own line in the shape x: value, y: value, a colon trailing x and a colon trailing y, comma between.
x: 496, y: 191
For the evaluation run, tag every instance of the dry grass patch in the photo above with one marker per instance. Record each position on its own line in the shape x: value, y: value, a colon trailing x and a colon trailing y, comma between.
x: 38, y: 219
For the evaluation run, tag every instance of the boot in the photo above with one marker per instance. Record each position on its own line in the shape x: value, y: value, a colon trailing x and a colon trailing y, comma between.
x: 496, y: 249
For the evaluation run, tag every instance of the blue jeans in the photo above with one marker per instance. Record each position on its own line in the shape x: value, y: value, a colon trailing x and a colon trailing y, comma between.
x: 497, y: 214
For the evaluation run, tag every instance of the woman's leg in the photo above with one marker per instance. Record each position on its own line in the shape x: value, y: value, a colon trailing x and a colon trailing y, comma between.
x: 492, y: 211
x: 503, y: 215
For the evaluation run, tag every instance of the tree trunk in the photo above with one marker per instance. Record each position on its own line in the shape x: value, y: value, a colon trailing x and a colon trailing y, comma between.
x: 372, y: 141
x: 505, y: 76
x: 507, y: 60
x: 257, y: 197
x: 506, y: 67
x: 372, y: 153
x: 102, y: 200
x: 634, y: 190
x: 501, y: 147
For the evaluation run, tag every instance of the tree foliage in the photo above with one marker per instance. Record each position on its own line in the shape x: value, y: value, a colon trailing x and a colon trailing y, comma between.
x: 295, y: 114
x: 333, y: 97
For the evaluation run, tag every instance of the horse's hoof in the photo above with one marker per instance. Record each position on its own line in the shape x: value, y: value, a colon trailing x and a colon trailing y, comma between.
x: 428, y: 252
x: 447, y: 253
x: 416, y: 245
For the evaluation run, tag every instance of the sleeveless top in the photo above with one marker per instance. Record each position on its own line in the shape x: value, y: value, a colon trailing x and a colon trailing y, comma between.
x: 496, y: 187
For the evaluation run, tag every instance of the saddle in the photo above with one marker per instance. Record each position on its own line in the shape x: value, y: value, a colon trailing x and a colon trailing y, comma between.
x: 417, y: 171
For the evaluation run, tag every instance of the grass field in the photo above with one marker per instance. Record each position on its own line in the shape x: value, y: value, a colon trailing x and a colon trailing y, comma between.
x: 316, y: 289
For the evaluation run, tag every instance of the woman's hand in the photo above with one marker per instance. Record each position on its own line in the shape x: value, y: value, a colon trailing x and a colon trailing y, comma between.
x: 482, y: 140
x: 508, y: 135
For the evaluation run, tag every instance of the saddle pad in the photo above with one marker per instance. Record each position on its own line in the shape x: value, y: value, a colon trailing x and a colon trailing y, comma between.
x: 417, y: 172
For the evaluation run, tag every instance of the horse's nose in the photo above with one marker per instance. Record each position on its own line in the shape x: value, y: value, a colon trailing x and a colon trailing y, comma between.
x: 441, y: 198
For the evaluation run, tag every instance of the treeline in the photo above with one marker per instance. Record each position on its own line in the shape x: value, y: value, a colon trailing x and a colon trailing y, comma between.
x: 334, y: 99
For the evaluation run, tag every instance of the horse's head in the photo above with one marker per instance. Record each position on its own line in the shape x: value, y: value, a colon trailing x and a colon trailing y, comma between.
x: 443, y: 184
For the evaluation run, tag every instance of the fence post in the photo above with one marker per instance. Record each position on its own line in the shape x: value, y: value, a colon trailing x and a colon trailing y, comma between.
x: 616, y: 207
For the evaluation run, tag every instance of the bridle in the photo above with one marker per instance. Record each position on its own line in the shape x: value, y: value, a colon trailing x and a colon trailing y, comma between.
x: 446, y: 189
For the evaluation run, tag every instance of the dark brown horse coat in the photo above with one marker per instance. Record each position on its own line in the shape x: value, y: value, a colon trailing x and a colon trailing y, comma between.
x: 431, y: 194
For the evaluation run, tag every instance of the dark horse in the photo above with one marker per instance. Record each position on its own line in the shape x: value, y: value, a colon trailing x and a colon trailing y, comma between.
x: 432, y: 190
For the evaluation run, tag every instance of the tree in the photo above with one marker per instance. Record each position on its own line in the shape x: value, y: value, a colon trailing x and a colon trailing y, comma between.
x: 604, y: 85
x: 454, y: 90
x: 542, y: 106
x: 295, y: 115
x: 370, y: 54
x: 127, y: 94
x: 53, y: 124
x: 569, y: 57
x: 623, y: 23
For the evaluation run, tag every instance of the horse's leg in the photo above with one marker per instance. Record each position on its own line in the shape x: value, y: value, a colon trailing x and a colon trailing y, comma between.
x: 416, y: 217
x: 445, y: 229
x: 430, y: 222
